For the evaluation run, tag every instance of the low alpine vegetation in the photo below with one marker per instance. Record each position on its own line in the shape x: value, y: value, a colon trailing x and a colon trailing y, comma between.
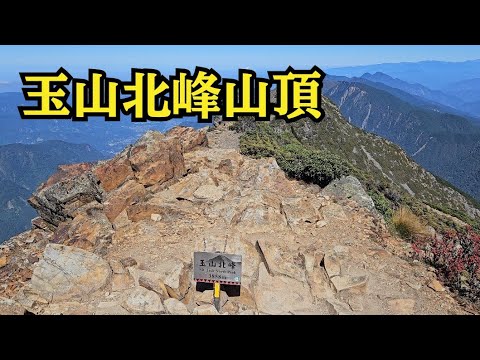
x: 456, y: 255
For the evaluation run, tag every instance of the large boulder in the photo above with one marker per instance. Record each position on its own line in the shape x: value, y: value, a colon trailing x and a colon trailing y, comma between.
x: 154, y: 159
x: 69, y: 273
x: 142, y: 301
x: 59, y: 201
x: 280, y: 294
x: 349, y: 187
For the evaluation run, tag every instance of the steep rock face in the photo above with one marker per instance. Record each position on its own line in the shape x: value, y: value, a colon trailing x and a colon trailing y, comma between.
x: 23, y: 167
x: 152, y: 160
x: 130, y: 250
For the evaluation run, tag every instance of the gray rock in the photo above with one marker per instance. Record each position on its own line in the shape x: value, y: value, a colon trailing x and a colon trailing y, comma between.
x: 59, y: 201
x: 117, y: 267
x: 142, y: 301
x: 175, y: 307
x: 414, y: 285
x: 349, y: 187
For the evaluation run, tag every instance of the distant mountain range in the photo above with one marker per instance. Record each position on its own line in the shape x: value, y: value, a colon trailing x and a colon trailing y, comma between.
x: 23, y: 168
x: 469, y: 92
x: 453, y: 84
x: 415, y: 89
x: 437, y: 75
x: 410, y: 95
x: 445, y: 144
x: 105, y: 136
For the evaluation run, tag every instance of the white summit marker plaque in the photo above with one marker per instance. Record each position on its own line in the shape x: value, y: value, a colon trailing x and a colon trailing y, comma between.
x: 217, y: 268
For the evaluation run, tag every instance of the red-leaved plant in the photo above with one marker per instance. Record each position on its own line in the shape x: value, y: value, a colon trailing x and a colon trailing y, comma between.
x: 456, y: 255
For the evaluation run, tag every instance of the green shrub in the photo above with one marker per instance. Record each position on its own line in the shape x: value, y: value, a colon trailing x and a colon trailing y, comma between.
x: 297, y: 160
x: 382, y: 204
x: 317, y: 166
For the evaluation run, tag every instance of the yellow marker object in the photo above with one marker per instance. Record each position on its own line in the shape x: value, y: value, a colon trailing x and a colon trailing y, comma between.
x: 216, y: 291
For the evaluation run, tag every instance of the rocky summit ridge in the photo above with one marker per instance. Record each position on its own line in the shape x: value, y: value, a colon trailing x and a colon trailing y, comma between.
x: 118, y: 236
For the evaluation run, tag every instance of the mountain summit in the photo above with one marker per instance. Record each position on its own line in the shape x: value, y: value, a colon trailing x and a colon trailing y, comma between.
x: 118, y: 237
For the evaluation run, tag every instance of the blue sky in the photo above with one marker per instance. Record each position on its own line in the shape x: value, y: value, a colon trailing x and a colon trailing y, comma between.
x: 119, y: 59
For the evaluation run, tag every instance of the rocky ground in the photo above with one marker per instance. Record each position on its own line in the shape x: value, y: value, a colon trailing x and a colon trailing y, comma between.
x: 118, y: 238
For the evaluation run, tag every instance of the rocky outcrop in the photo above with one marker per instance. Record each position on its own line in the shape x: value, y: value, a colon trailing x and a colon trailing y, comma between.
x: 126, y: 195
x: 66, y: 172
x: 67, y: 273
x: 59, y: 201
x: 90, y: 230
x: 189, y: 138
x: 117, y: 183
x: 119, y: 239
x: 349, y: 187
x: 156, y: 159
x: 115, y: 172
